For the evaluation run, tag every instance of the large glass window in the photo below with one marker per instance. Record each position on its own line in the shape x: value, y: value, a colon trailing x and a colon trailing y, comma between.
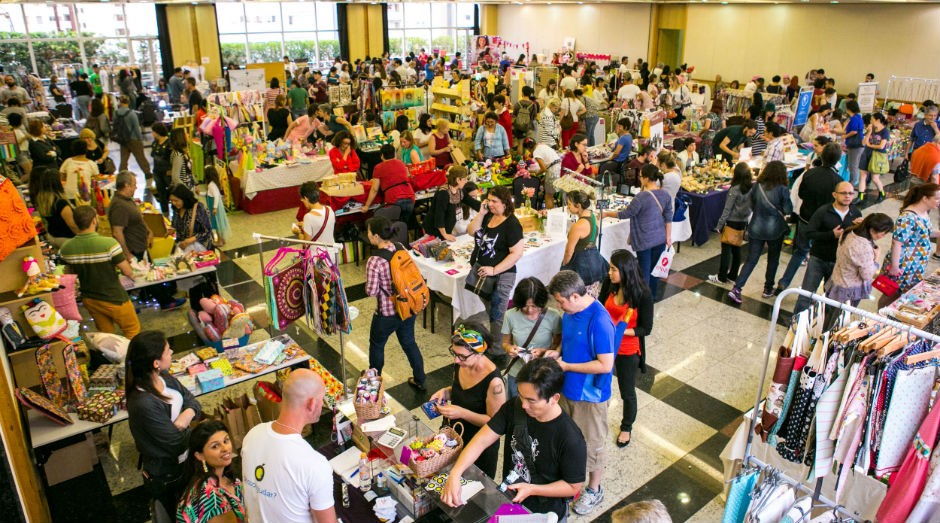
x: 60, y: 38
x: 254, y: 32
x: 442, y: 26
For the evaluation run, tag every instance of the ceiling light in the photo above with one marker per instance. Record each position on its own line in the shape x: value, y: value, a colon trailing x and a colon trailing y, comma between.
x: 724, y: 3
x: 834, y: 2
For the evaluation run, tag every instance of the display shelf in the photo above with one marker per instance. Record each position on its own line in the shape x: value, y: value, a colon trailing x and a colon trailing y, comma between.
x: 25, y: 370
x: 445, y: 108
x: 44, y: 431
x: 448, y: 92
x: 12, y: 276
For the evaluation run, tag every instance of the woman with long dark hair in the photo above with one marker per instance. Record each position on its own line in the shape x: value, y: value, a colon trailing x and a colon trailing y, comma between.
x: 477, y: 391
x: 191, y: 220
x: 628, y: 299
x: 770, y: 201
x: 181, y: 165
x: 857, y: 259
x: 48, y: 196
x: 735, y: 215
x: 213, y: 493
x: 581, y: 255
x: 159, y: 413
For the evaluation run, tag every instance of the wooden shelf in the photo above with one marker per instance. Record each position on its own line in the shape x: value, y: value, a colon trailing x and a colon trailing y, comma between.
x: 444, y: 108
x: 448, y: 93
x: 12, y: 276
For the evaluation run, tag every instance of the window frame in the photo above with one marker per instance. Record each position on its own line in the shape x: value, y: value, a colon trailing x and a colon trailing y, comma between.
x: 452, y: 28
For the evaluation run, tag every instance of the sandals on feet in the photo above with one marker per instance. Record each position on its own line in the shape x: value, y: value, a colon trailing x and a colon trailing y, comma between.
x: 621, y: 443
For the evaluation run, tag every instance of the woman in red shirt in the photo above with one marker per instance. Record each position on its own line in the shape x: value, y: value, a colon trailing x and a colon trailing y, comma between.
x: 576, y: 159
x: 505, y: 116
x: 627, y: 298
x: 343, y: 154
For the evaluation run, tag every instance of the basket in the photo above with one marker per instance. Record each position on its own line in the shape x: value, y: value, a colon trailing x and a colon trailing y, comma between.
x: 370, y: 411
x: 429, y: 467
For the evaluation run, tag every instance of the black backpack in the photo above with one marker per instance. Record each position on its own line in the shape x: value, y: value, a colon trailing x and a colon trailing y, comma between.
x: 120, y: 129
x: 522, y: 120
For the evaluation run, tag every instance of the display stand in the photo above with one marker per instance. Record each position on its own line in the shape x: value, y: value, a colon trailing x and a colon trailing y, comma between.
x: 334, y: 250
x: 911, y: 89
x: 749, y: 458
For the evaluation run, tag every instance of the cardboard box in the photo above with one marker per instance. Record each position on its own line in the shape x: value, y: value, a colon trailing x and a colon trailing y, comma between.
x: 210, y: 380
x: 162, y: 241
x: 71, y: 462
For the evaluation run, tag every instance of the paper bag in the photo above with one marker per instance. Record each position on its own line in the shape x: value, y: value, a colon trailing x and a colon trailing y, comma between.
x: 458, y: 156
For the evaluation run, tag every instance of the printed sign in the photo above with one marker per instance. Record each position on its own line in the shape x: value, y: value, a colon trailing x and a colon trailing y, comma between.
x: 803, y: 104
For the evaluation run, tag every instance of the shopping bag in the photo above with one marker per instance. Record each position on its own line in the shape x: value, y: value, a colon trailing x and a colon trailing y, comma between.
x: 268, y: 396
x: 878, y: 163
x: 661, y: 270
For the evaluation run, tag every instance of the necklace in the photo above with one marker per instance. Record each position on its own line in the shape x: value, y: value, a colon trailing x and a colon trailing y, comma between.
x: 298, y: 431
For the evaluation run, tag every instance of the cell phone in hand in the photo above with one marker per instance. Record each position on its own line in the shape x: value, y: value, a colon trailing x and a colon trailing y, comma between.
x: 430, y: 408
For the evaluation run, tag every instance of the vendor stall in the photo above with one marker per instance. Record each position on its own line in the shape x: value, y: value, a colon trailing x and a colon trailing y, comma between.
x: 275, y: 188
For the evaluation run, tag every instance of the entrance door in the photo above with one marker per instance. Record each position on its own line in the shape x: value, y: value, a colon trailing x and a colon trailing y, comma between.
x: 669, y: 48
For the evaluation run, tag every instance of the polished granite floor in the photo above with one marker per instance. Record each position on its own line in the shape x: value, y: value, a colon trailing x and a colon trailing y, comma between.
x: 705, y: 356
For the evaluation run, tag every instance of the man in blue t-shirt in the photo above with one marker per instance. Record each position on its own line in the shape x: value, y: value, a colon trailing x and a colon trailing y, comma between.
x: 587, y: 357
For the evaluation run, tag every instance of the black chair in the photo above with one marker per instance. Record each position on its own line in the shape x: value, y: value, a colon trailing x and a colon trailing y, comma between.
x: 436, y: 299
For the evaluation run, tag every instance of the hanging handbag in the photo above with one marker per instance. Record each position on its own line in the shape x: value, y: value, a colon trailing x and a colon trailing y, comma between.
x: 284, y: 289
x: 879, y: 163
x: 732, y: 236
x: 567, y: 121
x: 739, y: 496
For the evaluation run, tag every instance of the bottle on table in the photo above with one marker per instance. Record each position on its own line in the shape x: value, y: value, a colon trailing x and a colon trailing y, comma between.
x: 365, y: 473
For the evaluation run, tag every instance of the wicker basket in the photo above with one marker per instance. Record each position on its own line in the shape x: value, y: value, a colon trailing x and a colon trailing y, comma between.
x: 370, y: 411
x: 429, y: 467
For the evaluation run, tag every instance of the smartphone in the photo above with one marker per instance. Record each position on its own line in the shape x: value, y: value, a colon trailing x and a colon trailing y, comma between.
x: 430, y: 408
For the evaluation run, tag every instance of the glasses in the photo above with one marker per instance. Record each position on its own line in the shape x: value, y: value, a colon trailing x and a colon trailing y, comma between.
x: 461, y: 357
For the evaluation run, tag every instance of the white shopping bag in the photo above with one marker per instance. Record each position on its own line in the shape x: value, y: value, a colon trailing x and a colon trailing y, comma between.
x: 661, y: 270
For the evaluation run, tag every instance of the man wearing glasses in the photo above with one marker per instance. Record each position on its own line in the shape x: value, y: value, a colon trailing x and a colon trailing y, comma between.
x: 544, y: 457
x: 825, y: 228
x: 816, y: 191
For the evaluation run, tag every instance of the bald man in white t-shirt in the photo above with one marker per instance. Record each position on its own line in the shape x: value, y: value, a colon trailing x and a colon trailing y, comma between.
x: 286, y: 481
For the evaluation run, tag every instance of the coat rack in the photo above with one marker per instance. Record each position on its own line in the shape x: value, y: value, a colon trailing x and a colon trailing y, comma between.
x: 333, y: 250
x: 901, y: 329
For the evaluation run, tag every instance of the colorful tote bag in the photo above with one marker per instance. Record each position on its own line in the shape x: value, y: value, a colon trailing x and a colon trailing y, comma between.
x: 42, y: 404
x: 49, y: 376
x: 285, y: 289
x: 739, y: 496
x: 910, y: 402
x: 909, y: 481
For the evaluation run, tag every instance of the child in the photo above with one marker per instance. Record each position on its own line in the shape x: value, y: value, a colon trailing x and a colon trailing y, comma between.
x: 216, y: 205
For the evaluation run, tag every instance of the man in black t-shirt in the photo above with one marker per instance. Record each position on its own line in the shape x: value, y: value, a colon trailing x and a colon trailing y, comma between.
x: 544, y: 456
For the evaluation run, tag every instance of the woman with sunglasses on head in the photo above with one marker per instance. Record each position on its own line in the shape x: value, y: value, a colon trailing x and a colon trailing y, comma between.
x: 627, y: 298
x: 477, y: 391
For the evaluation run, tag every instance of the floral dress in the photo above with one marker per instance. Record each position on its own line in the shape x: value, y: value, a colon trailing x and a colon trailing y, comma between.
x: 207, y: 500
x: 714, y: 125
x: 912, y: 231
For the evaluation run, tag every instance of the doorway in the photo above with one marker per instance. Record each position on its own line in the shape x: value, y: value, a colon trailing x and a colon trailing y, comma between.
x: 669, y: 47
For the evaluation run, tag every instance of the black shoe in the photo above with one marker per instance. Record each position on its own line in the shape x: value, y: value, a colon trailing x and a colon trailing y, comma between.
x: 415, y: 384
x: 622, y: 444
x: 777, y: 290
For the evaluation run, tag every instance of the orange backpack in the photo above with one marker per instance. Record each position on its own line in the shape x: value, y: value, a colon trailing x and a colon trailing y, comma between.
x: 411, y: 293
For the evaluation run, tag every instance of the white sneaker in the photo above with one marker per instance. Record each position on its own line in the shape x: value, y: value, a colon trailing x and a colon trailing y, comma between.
x: 588, y: 501
x: 713, y: 278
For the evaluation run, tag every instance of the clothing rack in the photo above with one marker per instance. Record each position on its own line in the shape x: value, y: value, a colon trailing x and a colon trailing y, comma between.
x: 751, y: 460
x: 912, y: 89
x: 334, y: 251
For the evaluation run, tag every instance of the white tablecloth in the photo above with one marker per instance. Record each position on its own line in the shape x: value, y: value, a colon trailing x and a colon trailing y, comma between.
x: 543, y: 262
x: 286, y: 176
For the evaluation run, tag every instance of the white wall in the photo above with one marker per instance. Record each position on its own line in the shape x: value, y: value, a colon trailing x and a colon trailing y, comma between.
x: 739, y: 41
x: 614, y: 29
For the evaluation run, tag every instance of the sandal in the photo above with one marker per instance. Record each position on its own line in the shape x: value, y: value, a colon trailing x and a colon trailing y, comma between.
x: 415, y: 384
x: 622, y: 444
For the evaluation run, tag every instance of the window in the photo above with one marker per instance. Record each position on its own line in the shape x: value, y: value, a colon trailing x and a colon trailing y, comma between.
x: 61, y: 38
x: 441, y: 26
x: 252, y: 32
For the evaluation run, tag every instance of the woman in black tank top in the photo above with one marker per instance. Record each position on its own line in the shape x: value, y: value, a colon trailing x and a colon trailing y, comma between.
x: 477, y: 392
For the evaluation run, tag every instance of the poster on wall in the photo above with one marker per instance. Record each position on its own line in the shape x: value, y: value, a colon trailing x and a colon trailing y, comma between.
x: 656, y: 129
x: 567, y: 44
x: 247, y: 80
x: 803, y: 104
x: 866, y: 96
x: 485, y: 50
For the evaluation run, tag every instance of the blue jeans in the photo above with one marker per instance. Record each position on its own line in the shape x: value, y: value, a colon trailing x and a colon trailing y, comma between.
x: 801, y: 244
x: 853, y: 157
x: 496, y: 305
x: 817, y: 271
x: 82, y: 109
x: 646, y: 259
x: 590, y: 122
x: 755, y: 248
x: 407, y: 206
x: 381, y: 329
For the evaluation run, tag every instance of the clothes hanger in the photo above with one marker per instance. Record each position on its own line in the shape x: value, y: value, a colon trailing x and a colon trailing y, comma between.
x: 878, y: 340
x: 923, y: 356
x: 900, y: 341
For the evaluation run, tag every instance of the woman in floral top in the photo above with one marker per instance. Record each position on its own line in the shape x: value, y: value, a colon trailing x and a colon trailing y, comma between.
x: 214, y: 495
x: 906, y: 262
x: 712, y: 123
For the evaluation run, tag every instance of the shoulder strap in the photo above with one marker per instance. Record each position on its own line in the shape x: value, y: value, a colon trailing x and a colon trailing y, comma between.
x: 655, y: 199
x: 192, y: 221
x: 326, y: 217
x: 766, y: 199
x: 535, y: 328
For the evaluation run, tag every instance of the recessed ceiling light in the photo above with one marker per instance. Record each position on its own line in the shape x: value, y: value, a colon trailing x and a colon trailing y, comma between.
x: 724, y: 3
x: 834, y: 2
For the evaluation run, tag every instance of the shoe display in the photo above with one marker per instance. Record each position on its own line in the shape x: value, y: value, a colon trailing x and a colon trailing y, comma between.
x: 588, y: 501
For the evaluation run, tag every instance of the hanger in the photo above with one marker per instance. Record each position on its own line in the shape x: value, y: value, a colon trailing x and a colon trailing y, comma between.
x: 857, y: 331
x: 923, y: 356
x: 900, y: 341
x: 873, y: 342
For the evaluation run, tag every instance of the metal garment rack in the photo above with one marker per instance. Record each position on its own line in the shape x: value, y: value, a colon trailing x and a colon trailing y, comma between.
x: 333, y: 250
x: 748, y: 458
x: 931, y: 87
